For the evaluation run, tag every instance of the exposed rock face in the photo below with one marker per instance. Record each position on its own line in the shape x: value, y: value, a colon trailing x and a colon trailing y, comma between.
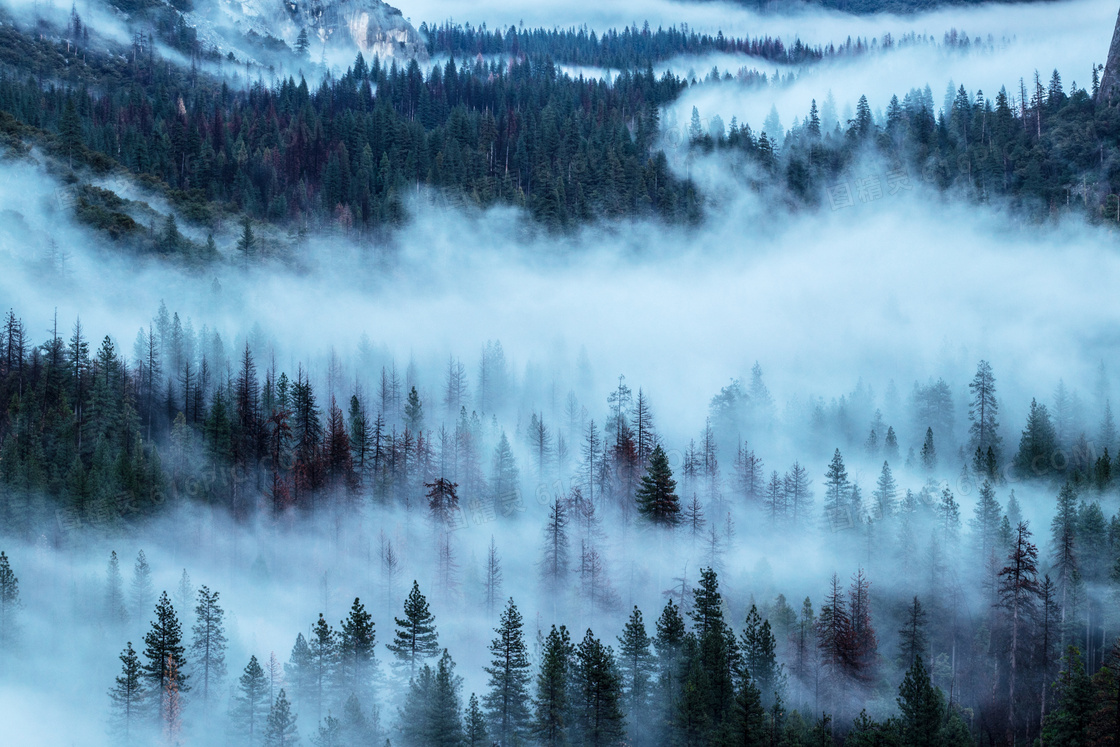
x: 372, y: 26
x: 1110, y: 79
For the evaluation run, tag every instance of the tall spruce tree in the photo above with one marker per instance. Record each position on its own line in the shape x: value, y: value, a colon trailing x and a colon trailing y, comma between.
x: 127, y: 696
x: 164, y: 643
x: 508, y: 700
x: 636, y: 668
x: 657, y: 499
x: 208, y: 646
x: 280, y: 727
x: 551, y: 704
x: 356, y: 661
x: 597, y: 716
x: 251, y: 702
x: 415, y: 638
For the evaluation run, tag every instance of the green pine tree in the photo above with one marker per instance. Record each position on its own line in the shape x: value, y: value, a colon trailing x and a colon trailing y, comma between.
x: 415, y: 638
x: 251, y: 701
x: 550, y: 719
x: 508, y: 700
x: 127, y: 695
x: 280, y: 729
x: 656, y: 498
x: 356, y: 661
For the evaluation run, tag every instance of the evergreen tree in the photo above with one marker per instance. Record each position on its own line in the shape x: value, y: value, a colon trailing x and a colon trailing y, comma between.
x: 142, y: 590
x: 596, y: 695
x: 127, y: 695
x: 356, y: 661
x: 431, y: 712
x: 912, y: 637
x: 656, y: 498
x: 922, y: 707
x: 836, y: 490
x: 323, y: 647
x: 208, y: 646
x: 251, y: 702
x: 886, y: 492
x: 983, y: 411
x: 1037, y: 444
x: 162, y: 644
x: 415, y: 638
x: 115, y: 611
x: 280, y: 728
x: 300, y: 672
x: 635, y: 668
x: 551, y: 705
x: 474, y: 724
x: 758, y: 648
x: 9, y: 602
x: 555, y: 562
x: 929, y: 452
x: 508, y: 700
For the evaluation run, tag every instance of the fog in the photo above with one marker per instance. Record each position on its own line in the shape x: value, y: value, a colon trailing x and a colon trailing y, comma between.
x: 853, y: 305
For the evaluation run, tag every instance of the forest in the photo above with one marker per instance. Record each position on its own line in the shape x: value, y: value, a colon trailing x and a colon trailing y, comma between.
x: 501, y: 123
x: 542, y: 389
x: 992, y: 632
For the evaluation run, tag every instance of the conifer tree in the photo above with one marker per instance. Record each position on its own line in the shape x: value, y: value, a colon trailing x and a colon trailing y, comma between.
x: 115, y: 610
x: 474, y: 724
x: 555, y: 562
x: 509, y: 670
x: 983, y: 411
x: 597, y: 719
x: 758, y: 649
x: 929, y: 452
x: 356, y: 661
x: 912, y: 637
x: 280, y: 728
x: 886, y: 492
x: 657, y: 499
x: 1068, y: 723
x: 208, y: 646
x: 431, y: 712
x: 163, y: 643
x: 142, y: 589
x: 415, y: 638
x: 251, y: 702
x: 9, y: 602
x: 836, y: 489
x: 300, y: 672
x: 551, y: 704
x: 668, y: 642
x: 636, y: 666
x: 323, y: 647
x: 922, y: 708
x: 127, y: 695
x: 493, y: 582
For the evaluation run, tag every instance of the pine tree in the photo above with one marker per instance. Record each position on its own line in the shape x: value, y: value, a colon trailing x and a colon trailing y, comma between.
x: 507, y: 701
x: 127, y: 695
x: 798, y: 496
x: 474, y: 726
x: 208, y: 646
x: 162, y: 643
x: 886, y: 492
x: 668, y: 642
x: 758, y: 649
x: 929, y: 452
x: 1019, y: 592
x: 922, y: 708
x: 747, y: 724
x: 431, y: 712
x: 356, y: 661
x: 142, y: 589
x: 636, y: 666
x: 1068, y: 722
x: 1037, y: 444
x: 912, y: 637
x: 323, y: 647
x: 656, y: 498
x: 551, y: 704
x: 300, y: 672
x: 890, y: 444
x: 555, y: 562
x: 251, y: 702
x: 983, y: 411
x: 493, y: 582
x: 596, y: 695
x: 9, y: 602
x: 415, y: 638
x: 280, y: 728
x: 115, y: 611
x: 836, y: 490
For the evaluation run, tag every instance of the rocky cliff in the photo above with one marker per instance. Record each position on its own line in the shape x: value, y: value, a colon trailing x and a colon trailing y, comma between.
x: 1110, y: 79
